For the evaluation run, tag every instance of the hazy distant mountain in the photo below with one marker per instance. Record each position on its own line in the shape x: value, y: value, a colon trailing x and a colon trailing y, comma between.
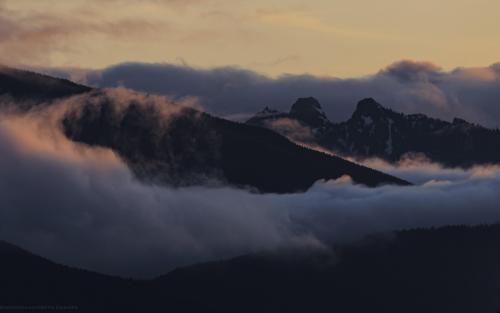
x: 375, y: 131
x: 446, y: 270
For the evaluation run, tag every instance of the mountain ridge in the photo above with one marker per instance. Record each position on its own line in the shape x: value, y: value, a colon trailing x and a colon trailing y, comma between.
x: 22, y: 85
x: 190, y: 147
x: 376, y: 131
x: 196, y: 145
x: 452, y: 269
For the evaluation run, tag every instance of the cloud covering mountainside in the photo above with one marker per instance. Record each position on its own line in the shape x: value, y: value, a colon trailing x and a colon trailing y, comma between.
x: 62, y: 199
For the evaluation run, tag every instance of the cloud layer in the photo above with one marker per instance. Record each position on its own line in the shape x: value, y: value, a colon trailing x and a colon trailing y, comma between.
x: 81, y: 206
x: 406, y: 86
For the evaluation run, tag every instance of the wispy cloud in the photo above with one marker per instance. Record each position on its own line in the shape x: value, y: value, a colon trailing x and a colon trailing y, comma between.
x: 278, y: 61
x: 303, y: 19
x: 28, y: 35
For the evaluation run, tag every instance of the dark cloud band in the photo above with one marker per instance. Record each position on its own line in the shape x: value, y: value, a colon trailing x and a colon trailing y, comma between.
x: 406, y: 86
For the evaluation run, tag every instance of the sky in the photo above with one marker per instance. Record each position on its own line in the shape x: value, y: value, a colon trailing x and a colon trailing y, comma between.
x: 334, y: 38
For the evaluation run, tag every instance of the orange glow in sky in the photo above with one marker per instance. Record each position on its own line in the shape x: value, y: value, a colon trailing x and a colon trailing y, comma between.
x: 342, y: 38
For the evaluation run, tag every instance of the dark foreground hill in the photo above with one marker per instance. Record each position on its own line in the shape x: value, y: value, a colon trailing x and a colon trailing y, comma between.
x: 31, y: 283
x: 376, y: 131
x: 450, y: 269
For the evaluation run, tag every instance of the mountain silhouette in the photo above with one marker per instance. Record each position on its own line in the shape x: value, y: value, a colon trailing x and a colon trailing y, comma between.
x: 30, y: 282
x: 192, y: 147
x: 309, y: 111
x: 35, y: 88
x: 449, y: 270
x: 376, y: 131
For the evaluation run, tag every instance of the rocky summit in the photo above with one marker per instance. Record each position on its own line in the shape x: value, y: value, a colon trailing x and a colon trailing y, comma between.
x: 376, y: 131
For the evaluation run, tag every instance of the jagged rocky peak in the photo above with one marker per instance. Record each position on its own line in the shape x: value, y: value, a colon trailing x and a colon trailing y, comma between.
x: 463, y: 125
x: 268, y: 111
x: 370, y: 108
x: 306, y: 105
x: 417, y: 117
x: 459, y: 121
x: 309, y: 110
x: 260, y: 118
